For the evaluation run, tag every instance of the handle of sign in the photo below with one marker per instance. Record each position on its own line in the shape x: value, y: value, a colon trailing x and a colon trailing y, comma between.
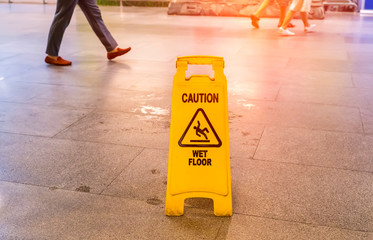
x: 202, y: 60
x: 216, y: 62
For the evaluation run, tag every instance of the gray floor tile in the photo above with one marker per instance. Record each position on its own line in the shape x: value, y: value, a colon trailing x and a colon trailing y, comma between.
x: 243, y: 138
x: 291, y: 77
x: 316, y: 78
x: 105, y: 99
x: 359, y: 55
x: 148, y: 103
x: 120, y: 66
x: 37, y: 120
x: 70, y: 97
x: 331, y: 65
x: 361, y: 39
x: 312, y: 116
x: 9, y: 70
x: 363, y: 80
x: 40, y: 213
x: 285, y: 49
x: 356, y: 47
x: 145, y: 178
x: 143, y: 82
x: 149, y: 130
x: 363, y: 66
x: 249, y: 227
x: 62, y: 163
x: 333, y: 54
x: 367, y: 118
x: 349, y: 97
x: 19, y: 92
x: 252, y: 90
x: 321, y: 65
x: 267, y: 63
x: 319, y: 148
x: 130, y: 80
x: 5, y: 55
x: 304, y: 194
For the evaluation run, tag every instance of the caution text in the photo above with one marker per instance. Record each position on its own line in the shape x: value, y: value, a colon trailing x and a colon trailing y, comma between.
x: 200, y: 97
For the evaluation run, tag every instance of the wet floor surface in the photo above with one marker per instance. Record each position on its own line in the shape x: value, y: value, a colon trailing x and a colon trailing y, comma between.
x: 84, y: 148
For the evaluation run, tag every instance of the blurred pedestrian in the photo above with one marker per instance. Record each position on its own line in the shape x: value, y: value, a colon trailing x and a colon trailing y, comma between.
x: 302, y: 6
x: 283, y: 4
x: 62, y: 17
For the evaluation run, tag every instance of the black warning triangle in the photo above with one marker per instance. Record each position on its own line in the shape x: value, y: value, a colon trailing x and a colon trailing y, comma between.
x: 200, y: 135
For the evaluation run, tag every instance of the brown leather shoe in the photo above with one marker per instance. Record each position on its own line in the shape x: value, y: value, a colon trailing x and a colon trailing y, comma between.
x: 120, y: 52
x: 59, y: 62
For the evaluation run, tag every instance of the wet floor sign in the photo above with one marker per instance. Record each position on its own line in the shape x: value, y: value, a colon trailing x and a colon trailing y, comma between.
x: 199, y: 163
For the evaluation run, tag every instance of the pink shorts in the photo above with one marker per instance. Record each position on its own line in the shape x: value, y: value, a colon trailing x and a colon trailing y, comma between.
x: 299, y: 6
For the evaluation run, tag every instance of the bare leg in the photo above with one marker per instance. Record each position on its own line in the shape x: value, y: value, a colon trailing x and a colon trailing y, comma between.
x: 304, y: 17
x: 289, y: 16
x: 307, y: 26
x: 261, y: 8
x: 282, y: 15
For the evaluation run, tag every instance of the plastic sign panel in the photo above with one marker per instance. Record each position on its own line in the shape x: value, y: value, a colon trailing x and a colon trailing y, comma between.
x: 199, y: 158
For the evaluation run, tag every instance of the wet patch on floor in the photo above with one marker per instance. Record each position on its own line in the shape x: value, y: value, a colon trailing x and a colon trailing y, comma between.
x: 83, y: 188
x: 155, y: 171
x: 245, y: 134
x: 154, y: 201
x: 232, y: 115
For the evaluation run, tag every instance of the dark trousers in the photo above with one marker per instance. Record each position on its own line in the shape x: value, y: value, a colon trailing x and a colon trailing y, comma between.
x: 62, y: 17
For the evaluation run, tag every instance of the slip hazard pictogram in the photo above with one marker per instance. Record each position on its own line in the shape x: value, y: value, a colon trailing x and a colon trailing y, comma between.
x: 200, y: 132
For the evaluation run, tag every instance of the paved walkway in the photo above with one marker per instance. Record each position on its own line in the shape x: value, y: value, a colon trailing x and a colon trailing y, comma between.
x: 83, y: 149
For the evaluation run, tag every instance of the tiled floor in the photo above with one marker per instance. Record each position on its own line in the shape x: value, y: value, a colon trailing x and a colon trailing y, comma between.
x: 84, y: 149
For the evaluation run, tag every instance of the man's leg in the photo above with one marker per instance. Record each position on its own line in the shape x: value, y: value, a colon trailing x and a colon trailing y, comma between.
x: 93, y: 15
x: 62, y: 17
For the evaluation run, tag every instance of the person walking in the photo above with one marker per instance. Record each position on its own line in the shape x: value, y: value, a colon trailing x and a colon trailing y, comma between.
x: 303, y: 7
x: 62, y: 17
x: 283, y: 4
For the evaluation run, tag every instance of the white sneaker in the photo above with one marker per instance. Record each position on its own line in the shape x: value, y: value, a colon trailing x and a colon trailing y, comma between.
x: 309, y: 29
x: 285, y: 32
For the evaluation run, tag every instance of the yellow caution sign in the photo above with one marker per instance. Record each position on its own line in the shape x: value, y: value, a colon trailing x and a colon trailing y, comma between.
x: 199, y: 160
